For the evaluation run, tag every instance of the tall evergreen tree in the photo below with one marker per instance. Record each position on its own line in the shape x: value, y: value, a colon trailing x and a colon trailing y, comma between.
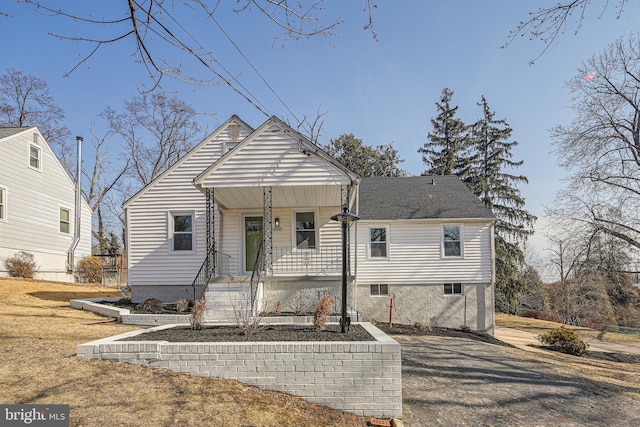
x: 366, y: 161
x: 444, y: 153
x: 490, y: 180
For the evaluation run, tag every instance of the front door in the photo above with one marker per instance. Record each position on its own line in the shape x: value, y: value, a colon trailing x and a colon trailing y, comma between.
x: 252, y: 240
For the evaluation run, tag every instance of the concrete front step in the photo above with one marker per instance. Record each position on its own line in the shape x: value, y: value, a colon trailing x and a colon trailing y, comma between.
x: 226, y: 301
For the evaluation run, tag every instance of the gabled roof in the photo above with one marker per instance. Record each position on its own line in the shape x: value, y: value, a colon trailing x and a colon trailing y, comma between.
x: 187, y: 156
x: 10, y: 131
x: 419, y: 197
x: 330, y: 164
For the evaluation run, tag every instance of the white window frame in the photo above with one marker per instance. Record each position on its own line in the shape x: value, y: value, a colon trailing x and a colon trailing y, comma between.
x: 60, y: 221
x: 294, y: 239
x: 3, y: 204
x: 386, y: 241
x: 171, y: 232
x: 378, y: 290
x: 39, y: 159
x: 460, y: 242
x: 453, y: 292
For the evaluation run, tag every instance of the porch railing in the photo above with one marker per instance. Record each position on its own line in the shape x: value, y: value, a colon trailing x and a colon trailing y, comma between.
x: 310, y: 261
x: 256, y: 274
x: 208, y: 269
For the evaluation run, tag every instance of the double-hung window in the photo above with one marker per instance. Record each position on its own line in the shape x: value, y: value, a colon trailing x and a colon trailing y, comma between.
x: 452, y: 244
x: 65, y: 220
x: 182, y: 232
x: 378, y: 242
x: 305, y: 230
x: 35, y: 157
x: 3, y: 204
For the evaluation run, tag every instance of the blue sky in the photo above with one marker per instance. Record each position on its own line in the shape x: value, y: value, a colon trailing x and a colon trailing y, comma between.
x: 383, y: 91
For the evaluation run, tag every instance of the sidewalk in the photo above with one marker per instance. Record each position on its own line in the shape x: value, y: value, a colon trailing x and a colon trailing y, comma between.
x: 524, y: 340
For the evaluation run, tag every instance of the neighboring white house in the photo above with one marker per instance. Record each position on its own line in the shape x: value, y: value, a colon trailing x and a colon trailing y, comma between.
x: 250, y: 211
x: 37, y: 205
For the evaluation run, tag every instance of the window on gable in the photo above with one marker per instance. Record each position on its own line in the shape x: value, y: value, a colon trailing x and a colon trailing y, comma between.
x: 35, y: 154
x: 305, y: 230
x: 3, y: 204
x: 379, y: 290
x: 182, y: 232
x: 451, y: 240
x: 65, y: 224
x: 378, y: 242
x: 453, y: 288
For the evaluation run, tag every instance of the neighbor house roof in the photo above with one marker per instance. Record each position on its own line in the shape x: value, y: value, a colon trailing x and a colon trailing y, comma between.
x: 419, y: 197
x: 10, y: 131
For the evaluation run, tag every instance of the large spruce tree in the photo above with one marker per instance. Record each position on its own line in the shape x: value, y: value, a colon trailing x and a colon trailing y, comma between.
x: 444, y: 153
x: 490, y: 179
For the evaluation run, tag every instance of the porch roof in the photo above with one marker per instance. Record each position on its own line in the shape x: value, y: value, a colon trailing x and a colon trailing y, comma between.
x: 282, y: 197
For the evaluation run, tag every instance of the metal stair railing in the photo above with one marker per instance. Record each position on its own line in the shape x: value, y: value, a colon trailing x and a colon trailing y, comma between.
x: 207, y: 270
x: 256, y: 274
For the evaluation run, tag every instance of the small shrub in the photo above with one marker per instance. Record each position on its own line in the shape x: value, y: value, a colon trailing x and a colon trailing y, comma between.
x: 323, y: 308
x: 153, y: 305
x: 299, y: 303
x: 21, y: 264
x: 371, y: 320
x: 197, y: 313
x: 182, y: 305
x: 89, y: 269
x: 278, y: 308
x: 465, y: 328
x: 564, y: 341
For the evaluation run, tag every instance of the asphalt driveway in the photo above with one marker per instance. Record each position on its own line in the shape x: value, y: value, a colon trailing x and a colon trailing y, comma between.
x: 460, y: 382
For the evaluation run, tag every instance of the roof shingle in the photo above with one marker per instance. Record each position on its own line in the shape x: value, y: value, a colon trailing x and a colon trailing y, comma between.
x: 419, y: 197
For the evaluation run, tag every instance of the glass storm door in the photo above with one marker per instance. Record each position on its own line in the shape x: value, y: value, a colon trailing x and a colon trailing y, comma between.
x: 252, y: 240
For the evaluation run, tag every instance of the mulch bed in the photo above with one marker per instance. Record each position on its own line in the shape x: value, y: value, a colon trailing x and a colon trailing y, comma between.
x: 263, y: 333
x: 399, y: 329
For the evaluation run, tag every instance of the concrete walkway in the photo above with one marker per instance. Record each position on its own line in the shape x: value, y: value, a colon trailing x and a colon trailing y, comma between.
x: 525, y: 340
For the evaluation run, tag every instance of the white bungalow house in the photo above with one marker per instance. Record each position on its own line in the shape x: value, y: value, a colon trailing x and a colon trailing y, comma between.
x: 38, y: 206
x: 245, y: 218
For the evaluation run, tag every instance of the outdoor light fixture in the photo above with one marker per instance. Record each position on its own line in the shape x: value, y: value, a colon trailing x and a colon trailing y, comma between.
x: 344, y: 218
x: 276, y: 222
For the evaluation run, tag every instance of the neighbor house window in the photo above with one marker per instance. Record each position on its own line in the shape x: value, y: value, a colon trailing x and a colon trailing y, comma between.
x: 451, y: 240
x: 65, y: 217
x: 377, y: 290
x: 453, y: 288
x: 35, y: 154
x: 305, y: 230
x: 3, y: 204
x: 182, y: 232
x: 378, y: 247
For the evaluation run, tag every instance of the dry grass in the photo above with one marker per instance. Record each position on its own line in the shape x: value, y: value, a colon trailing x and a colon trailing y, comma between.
x: 38, y: 335
x: 620, y: 376
x: 539, y: 327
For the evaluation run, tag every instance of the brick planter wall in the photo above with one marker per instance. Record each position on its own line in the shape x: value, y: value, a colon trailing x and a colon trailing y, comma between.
x: 363, y: 378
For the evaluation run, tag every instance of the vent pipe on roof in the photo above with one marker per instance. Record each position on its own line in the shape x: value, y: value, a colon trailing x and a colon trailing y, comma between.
x: 78, y: 208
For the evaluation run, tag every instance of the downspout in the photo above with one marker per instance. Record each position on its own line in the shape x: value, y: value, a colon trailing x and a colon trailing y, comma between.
x: 78, y: 209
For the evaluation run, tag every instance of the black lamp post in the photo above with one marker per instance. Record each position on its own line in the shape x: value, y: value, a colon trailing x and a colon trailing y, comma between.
x: 345, y: 218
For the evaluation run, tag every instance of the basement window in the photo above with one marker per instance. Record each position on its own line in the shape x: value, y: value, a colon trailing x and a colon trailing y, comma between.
x: 453, y: 288
x: 379, y: 290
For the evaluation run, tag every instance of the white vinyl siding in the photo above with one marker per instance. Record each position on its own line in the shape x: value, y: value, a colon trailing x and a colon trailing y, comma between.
x: 415, y: 255
x: 33, y: 207
x: 275, y: 159
x: 151, y: 257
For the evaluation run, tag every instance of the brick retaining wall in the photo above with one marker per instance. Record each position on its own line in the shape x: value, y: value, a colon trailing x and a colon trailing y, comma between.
x: 360, y: 377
